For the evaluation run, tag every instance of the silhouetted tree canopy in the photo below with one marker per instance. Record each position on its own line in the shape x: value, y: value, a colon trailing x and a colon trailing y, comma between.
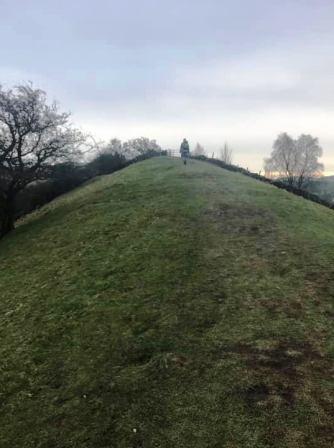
x: 33, y: 137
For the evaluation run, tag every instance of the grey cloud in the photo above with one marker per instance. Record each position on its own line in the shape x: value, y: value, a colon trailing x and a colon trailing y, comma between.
x: 214, y: 69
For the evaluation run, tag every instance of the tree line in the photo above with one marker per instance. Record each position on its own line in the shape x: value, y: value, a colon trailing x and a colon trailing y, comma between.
x: 42, y: 155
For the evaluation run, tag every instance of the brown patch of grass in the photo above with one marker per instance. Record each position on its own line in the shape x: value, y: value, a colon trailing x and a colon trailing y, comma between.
x: 242, y: 219
x: 282, y: 368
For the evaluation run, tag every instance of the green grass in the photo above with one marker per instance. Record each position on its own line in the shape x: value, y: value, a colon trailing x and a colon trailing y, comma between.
x: 169, y: 306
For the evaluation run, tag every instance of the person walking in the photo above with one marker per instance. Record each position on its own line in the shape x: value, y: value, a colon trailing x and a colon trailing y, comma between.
x: 184, y: 151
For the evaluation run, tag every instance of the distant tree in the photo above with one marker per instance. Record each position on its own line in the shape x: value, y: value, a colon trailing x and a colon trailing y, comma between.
x: 199, y: 150
x: 113, y: 147
x: 33, y: 136
x: 226, y: 154
x: 140, y: 146
x: 282, y: 161
x: 308, y: 152
x: 295, y: 161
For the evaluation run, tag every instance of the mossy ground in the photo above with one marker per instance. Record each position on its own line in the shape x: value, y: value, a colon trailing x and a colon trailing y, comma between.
x: 169, y: 306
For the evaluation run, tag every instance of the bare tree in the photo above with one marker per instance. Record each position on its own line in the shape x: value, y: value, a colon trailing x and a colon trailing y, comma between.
x: 199, y: 150
x: 296, y: 161
x: 282, y: 161
x: 33, y: 136
x: 226, y: 154
x: 268, y: 167
x: 138, y: 146
x: 308, y: 151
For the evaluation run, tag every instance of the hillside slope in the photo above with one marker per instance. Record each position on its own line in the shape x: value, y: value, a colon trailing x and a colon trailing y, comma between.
x: 169, y: 306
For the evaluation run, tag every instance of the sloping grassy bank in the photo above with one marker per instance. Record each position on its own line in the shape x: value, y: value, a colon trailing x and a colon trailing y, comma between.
x: 169, y: 306
x: 306, y: 192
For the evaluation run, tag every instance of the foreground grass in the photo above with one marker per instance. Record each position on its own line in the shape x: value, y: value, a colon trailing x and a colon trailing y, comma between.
x: 169, y: 306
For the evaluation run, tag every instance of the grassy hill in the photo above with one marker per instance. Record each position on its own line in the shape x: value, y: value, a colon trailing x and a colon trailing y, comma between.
x: 169, y: 306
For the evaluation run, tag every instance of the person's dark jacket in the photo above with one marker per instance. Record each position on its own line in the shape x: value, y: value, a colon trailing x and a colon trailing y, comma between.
x: 184, y: 149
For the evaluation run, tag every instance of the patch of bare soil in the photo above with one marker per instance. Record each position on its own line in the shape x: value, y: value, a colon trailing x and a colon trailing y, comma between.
x: 283, y: 368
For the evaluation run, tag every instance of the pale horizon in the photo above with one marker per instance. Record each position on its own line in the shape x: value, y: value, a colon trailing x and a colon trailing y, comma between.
x: 214, y: 72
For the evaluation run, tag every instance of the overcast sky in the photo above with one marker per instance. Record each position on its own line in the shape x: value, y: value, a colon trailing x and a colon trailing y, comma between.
x: 239, y: 71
